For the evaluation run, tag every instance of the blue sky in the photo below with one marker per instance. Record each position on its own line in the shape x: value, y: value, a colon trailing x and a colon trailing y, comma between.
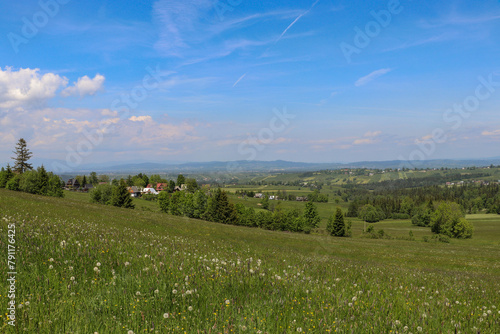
x: 357, y: 80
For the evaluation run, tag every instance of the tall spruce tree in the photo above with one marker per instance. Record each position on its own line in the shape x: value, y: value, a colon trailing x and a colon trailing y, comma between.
x: 23, y: 154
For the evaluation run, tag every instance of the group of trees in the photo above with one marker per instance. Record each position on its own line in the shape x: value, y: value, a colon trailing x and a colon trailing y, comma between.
x: 116, y: 195
x: 316, y: 196
x: 22, y: 177
x: 216, y: 207
x: 39, y: 182
x: 446, y: 218
x: 404, y: 203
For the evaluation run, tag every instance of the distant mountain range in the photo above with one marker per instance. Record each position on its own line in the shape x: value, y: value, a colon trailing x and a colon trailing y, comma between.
x: 252, y: 166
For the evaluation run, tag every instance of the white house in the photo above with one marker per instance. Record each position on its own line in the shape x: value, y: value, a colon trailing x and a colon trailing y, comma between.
x: 149, y: 191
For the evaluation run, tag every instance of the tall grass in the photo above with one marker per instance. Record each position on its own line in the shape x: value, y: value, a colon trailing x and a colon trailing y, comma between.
x: 85, y: 268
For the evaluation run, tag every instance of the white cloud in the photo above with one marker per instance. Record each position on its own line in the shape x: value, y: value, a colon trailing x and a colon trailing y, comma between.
x: 491, y: 133
x: 372, y: 76
x: 27, y: 86
x: 363, y: 141
x: 51, y: 131
x: 85, y: 86
x: 140, y: 119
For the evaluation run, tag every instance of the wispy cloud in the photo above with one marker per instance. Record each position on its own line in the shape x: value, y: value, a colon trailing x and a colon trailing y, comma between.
x: 455, y: 18
x: 433, y: 39
x: 493, y: 133
x: 372, y: 76
x: 251, y: 19
x: 176, y: 19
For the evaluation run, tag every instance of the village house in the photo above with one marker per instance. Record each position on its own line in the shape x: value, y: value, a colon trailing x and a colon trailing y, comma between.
x: 134, y: 191
x: 72, y: 184
x: 161, y: 186
x: 150, y: 191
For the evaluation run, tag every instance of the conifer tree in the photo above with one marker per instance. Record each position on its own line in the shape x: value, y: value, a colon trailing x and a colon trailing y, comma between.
x: 121, y: 196
x: 336, y: 224
x: 43, y: 181
x: 180, y: 180
x: 311, y: 215
x: 23, y: 154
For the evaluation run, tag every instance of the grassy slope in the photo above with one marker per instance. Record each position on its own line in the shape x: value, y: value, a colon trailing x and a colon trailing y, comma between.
x: 389, y: 273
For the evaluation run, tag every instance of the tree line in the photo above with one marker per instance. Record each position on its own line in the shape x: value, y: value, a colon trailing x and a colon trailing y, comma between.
x: 215, y: 207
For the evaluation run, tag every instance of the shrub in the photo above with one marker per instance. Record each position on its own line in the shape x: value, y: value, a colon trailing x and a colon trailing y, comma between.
x: 448, y: 219
x: 307, y: 229
x: 101, y: 194
x: 164, y: 201
x: 13, y: 183
x: 150, y: 197
x: 381, y: 233
x: 370, y: 214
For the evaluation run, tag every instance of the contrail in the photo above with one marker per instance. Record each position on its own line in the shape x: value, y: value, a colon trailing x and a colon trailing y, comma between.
x: 237, y: 81
x: 295, y: 21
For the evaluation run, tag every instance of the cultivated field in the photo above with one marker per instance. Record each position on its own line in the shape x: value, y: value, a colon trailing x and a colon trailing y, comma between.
x: 85, y: 268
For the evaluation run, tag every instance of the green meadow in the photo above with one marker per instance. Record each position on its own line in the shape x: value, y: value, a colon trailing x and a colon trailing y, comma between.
x: 87, y: 268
